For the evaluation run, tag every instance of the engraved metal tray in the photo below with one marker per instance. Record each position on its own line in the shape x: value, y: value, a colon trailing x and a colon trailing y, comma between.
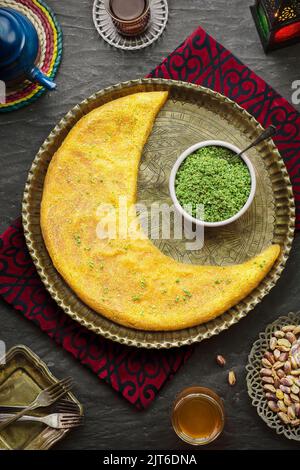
x: 191, y: 114
x: 22, y: 377
x: 254, y: 383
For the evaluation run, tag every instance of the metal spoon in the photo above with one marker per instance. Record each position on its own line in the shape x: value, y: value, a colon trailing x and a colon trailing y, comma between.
x: 266, y: 134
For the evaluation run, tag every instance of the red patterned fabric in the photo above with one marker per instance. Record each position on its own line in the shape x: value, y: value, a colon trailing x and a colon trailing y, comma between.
x: 139, y: 374
x: 202, y: 60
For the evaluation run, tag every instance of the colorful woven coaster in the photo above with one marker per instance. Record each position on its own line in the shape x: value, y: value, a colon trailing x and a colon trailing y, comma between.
x: 50, y: 37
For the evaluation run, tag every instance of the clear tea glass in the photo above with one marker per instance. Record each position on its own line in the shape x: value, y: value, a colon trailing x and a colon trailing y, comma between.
x: 198, y: 416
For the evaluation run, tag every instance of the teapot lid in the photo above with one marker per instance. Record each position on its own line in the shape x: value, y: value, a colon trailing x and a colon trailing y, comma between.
x: 11, y: 36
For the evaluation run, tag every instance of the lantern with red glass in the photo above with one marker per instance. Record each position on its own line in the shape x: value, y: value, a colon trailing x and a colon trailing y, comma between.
x: 278, y: 22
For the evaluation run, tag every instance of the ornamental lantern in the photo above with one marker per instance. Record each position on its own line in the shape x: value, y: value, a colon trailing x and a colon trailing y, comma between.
x: 278, y: 22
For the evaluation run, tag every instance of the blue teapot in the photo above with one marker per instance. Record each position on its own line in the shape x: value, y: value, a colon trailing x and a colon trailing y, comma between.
x: 19, y: 48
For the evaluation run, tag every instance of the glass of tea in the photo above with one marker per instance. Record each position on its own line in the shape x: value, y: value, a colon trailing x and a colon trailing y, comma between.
x: 130, y: 17
x: 198, y: 415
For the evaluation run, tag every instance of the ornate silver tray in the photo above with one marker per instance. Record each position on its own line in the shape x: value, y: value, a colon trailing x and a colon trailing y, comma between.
x: 22, y: 376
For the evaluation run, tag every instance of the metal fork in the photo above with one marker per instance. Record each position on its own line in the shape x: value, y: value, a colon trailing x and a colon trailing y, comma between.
x: 67, y: 406
x: 45, y: 398
x: 61, y: 406
x: 54, y: 420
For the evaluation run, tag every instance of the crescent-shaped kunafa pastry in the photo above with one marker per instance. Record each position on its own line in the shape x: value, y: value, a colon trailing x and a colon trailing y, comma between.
x: 128, y: 279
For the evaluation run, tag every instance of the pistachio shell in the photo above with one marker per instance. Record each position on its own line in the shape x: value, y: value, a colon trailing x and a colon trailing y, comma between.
x: 266, y: 363
x: 268, y: 380
x: 285, y: 389
x: 276, y: 353
x: 281, y: 406
x: 286, y: 399
x: 276, y: 382
x: 287, y: 382
x: 295, y: 349
x: 270, y: 357
x: 291, y: 412
x: 283, y: 348
x: 297, y: 409
x: 286, y: 328
x: 284, y: 417
x: 284, y: 342
x: 278, y: 365
x: 296, y: 331
x: 293, y: 362
x: 297, y: 381
x: 295, y: 422
x: 273, y: 406
x: 232, y: 380
x: 290, y: 337
x: 273, y: 343
x: 221, y: 361
x: 271, y: 396
x: 267, y: 372
x: 280, y: 373
x: 283, y: 356
x: 270, y: 388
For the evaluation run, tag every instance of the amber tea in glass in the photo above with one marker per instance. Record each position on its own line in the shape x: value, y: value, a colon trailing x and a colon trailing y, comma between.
x: 198, y: 415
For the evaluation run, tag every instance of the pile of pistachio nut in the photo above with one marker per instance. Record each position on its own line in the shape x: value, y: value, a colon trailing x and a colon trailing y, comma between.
x: 280, y: 374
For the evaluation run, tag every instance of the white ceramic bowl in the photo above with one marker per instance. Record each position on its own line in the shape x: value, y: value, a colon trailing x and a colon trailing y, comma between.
x: 188, y: 152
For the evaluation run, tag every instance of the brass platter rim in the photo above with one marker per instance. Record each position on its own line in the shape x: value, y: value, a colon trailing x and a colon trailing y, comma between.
x: 121, y: 334
x: 49, y: 438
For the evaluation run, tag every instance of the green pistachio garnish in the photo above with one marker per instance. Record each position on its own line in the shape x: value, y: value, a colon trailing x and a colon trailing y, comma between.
x: 77, y: 239
x: 215, y: 178
x: 187, y: 293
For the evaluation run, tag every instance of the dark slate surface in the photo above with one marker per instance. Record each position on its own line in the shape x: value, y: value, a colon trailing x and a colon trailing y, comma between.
x: 88, y: 65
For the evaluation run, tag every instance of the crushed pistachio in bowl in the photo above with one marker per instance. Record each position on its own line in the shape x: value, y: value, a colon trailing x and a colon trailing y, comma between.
x: 211, y: 175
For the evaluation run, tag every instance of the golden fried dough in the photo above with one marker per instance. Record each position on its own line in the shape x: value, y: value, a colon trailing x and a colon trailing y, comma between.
x: 128, y: 280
